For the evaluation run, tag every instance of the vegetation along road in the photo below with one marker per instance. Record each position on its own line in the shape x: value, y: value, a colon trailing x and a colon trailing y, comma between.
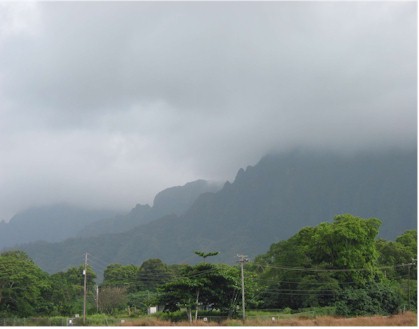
x: 323, y: 275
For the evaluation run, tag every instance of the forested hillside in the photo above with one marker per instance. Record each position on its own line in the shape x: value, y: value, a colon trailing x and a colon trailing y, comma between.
x: 268, y: 202
x: 48, y: 223
x: 59, y: 222
x: 171, y: 201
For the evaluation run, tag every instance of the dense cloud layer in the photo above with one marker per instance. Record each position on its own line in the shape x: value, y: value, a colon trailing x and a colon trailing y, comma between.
x: 106, y: 103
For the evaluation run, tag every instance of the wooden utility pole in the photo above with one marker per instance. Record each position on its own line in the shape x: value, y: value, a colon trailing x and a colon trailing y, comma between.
x: 97, y: 298
x: 243, y: 259
x: 85, y: 288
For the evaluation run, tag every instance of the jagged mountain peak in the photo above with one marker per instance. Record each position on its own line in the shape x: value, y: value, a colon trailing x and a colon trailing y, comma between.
x: 267, y: 202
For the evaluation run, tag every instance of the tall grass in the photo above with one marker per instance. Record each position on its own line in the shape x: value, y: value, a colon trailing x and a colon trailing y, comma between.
x: 405, y: 319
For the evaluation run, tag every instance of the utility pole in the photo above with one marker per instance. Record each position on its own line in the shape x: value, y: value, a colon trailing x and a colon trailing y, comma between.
x: 408, y: 286
x: 243, y: 259
x: 85, y: 288
x: 97, y: 298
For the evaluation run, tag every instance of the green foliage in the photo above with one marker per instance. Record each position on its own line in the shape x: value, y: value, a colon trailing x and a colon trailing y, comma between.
x: 267, y: 202
x: 396, y: 255
x: 205, y: 255
x: 22, y: 285
x: 117, y: 275
x: 409, y: 239
x: 347, y: 243
x: 175, y: 316
x: 375, y: 298
x: 287, y: 310
x: 214, y: 286
x: 143, y: 299
x: 152, y: 274
x: 323, y: 288
x: 338, y: 263
x: 66, y: 293
x: 112, y: 299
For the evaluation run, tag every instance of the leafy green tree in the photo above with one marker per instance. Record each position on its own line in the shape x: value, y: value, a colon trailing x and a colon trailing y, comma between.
x: 318, y: 289
x: 374, y: 298
x: 142, y: 300
x: 152, y: 274
x: 409, y: 239
x: 399, y: 257
x: 180, y: 293
x: 313, y: 266
x: 284, y: 282
x: 409, y: 242
x: 204, y: 255
x: 22, y: 285
x: 66, y: 293
x: 348, y: 243
x: 117, y: 275
x: 215, y: 286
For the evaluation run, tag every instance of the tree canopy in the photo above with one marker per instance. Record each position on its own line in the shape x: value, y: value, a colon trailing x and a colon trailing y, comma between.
x: 340, y: 264
x: 22, y: 285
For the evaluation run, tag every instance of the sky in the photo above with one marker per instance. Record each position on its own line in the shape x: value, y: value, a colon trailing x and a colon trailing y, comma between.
x: 104, y: 104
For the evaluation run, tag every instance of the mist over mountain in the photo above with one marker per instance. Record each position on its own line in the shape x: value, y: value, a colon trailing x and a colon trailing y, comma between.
x: 58, y: 222
x: 265, y: 203
x: 48, y: 223
x: 171, y: 201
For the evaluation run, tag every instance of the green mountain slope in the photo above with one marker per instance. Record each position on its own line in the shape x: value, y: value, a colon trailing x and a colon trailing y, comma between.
x: 173, y: 200
x: 48, y: 223
x: 267, y: 202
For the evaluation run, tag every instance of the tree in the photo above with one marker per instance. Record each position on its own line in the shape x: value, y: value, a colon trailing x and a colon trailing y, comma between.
x: 66, y: 293
x: 112, y: 298
x: 409, y: 242
x: 374, y: 298
x: 348, y: 243
x: 22, y: 284
x: 207, y: 285
x: 178, y: 294
x: 318, y: 289
x: 313, y: 266
x: 143, y: 300
x: 152, y: 274
x: 205, y: 255
x: 409, y: 239
x: 117, y: 275
x: 397, y: 254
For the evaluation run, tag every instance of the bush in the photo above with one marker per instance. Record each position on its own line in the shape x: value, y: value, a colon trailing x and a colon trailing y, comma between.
x: 175, y: 316
x: 287, y: 310
x: 376, y: 298
x: 319, y: 311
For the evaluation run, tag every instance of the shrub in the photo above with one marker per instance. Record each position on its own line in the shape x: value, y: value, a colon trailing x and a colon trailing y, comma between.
x: 172, y: 316
x: 286, y: 310
x: 376, y: 298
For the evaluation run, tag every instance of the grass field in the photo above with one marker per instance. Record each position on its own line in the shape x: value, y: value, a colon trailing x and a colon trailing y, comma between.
x: 405, y: 319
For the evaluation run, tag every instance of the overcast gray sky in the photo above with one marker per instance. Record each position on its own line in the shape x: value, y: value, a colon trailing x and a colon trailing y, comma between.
x: 104, y: 104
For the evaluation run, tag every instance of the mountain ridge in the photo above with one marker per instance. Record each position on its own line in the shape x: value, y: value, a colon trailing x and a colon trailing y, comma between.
x: 174, y: 200
x: 50, y: 223
x: 265, y: 203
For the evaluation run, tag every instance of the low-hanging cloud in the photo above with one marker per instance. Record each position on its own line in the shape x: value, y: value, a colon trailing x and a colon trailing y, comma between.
x: 106, y: 103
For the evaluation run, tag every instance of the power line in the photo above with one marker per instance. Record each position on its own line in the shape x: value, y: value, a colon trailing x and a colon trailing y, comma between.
x: 314, y: 269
